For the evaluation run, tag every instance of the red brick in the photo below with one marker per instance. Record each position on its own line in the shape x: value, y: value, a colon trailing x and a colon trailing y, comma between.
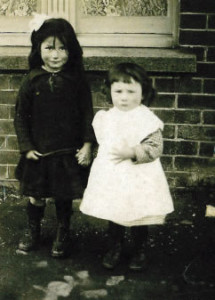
x: 211, y: 54
x: 4, y: 112
x: 170, y: 179
x: 197, y: 37
x: 8, y: 97
x: 2, y: 142
x: 167, y: 116
x: 198, y: 51
x: 207, y: 149
x: 209, y: 86
x: 169, y: 131
x: 177, y: 148
x: 96, y: 81
x: 165, y: 84
x: 187, y: 117
x: 211, y: 21
x: 196, y: 132
x: 209, y: 117
x: 206, y: 70
x: 167, y: 163
x: 207, y: 6
x: 12, y: 143
x: 99, y: 100
x: 3, y: 172
x: 190, y: 179
x: 12, y: 111
x: 16, y: 80
x: 195, y: 164
x: 11, y: 172
x: 196, y: 101
x: 6, y: 127
x: 165, y: 101
x: 4, y: 81
x: 9, y: 157
x: 193, y: 21
x: 184, y: 84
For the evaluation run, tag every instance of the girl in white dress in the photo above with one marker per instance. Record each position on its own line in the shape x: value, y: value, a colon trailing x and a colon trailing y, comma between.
x: 127, y: 185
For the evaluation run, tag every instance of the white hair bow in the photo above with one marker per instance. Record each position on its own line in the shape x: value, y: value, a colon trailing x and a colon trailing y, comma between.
x: 37, y: 21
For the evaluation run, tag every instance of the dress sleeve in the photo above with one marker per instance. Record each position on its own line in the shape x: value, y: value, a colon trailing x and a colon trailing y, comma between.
x: 23, y: 116
x: 98, y: 125
x: 86, y: 108
x: 150, y: 148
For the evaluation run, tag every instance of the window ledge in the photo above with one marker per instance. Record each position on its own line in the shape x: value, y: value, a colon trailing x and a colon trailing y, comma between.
x: 100, y: 59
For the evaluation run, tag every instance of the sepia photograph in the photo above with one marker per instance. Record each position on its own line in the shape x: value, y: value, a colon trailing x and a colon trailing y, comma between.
x: 107, y: 149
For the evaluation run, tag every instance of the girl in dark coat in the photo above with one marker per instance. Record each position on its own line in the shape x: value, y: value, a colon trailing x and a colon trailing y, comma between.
x: 53, y: 125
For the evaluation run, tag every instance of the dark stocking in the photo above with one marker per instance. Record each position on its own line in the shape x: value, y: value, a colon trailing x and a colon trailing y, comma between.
x: 63, y: 213
x: 139, y: 235
x: 112, y: 257
x: 31, y: 237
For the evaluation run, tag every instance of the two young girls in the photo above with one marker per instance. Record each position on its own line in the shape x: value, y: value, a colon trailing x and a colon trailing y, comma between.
x: 127, y: 185
x: 53, y: 125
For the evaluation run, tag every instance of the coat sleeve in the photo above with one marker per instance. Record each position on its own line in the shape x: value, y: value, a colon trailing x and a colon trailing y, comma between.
x: 23, y: 116
x: 86, y: 109
x: 150, y: 148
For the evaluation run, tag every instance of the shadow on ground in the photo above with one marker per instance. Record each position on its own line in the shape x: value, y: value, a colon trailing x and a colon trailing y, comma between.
x: 181, y: 261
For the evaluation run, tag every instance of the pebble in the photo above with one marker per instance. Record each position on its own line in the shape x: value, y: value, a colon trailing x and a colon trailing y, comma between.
x: 42, y: 264
x: 21, y: 252
x: 94, y: 294
x: 83, y: 274
x: 115, y: 280
x: 56, y: 289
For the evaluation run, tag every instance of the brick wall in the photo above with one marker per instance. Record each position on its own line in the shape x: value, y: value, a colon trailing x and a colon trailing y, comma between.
x: 195, y: 96
x: 186, y: 104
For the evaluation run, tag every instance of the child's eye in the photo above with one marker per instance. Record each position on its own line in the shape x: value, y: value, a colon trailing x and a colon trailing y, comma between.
x: 49, y: 48
x: 118, y: 91
x: 62, y: 48
x: 130, y: 91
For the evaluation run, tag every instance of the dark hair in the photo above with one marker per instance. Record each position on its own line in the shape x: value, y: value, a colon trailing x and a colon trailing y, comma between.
x: 63, y: 30
x: 126, y: 72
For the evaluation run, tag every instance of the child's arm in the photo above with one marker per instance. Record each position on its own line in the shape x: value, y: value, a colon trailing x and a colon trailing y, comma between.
x: 22, y: 117
x: 84, y: 155
x: 86, y: 110
x: 147, y: 151
x: 150, y: 148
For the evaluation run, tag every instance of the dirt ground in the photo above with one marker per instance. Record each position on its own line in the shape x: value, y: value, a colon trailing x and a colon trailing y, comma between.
x: 181, y: 260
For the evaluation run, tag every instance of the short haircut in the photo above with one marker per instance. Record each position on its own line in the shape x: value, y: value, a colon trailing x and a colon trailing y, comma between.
x: 125, y: 72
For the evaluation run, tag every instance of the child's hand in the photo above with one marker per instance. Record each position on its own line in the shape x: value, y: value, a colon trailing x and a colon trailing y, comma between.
x: 122, y: 152
x: 84, y: 155
x: 33, y: 154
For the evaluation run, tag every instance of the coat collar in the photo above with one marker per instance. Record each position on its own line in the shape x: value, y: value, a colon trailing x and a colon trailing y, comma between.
x: 38, y: 72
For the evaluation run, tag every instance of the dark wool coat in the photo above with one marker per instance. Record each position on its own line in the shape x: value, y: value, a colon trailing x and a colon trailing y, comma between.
x: 53, y: 112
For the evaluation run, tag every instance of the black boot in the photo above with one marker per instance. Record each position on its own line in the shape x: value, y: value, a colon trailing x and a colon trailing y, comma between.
x: 112, y: 258
x: 61, y: 244
x: 139, y: 261
x: 31, y: 237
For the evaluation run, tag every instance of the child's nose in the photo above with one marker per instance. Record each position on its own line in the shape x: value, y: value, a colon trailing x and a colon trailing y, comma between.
x: 124, y: 96
x: 54, y: 53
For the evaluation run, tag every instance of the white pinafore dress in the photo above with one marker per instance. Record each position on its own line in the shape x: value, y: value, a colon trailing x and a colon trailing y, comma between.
x: 126, y: 193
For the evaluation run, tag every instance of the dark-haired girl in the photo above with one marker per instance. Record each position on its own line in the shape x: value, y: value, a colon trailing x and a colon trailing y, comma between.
x: 127, y: 185
x: 53, y: 125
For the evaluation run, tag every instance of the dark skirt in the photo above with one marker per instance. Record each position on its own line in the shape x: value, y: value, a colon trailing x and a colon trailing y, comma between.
x: 57, y: 176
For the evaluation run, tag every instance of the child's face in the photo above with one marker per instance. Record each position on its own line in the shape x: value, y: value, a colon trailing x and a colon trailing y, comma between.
x: 126, y: 96
x: 53, y: 54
